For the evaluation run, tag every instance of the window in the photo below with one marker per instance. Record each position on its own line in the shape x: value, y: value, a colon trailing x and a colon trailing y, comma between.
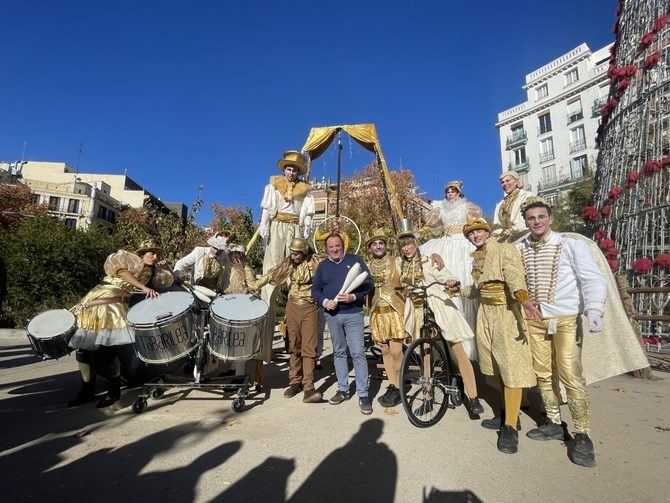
x: 525, y: 180
x: 545, y: 123
x: 549, y: 174
x: 71, y: 223
x: 546, y: 150
x: 102, y: 212
x: 577, y: 139
x: 517, y: 132
x: 571, y: 77
x: 578, y: 167
x: 542, y: 92
x: 551, y: 200
x: 519, y: 156
x: 575, y: 110
x: 54, y: 203
x: 36, y: 198
x: 111, y: 216
x: 73, y: 206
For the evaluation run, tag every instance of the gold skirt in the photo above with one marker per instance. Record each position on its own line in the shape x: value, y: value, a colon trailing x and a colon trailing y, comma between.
x: 102, y: 325
x: 387, y: 324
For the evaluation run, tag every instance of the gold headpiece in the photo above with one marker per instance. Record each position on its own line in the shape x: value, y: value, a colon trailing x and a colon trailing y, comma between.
x: 475, y: 224
x: 531, y: 200
x: 377, y: 235
x: 293, y: 158
x: 457, y: 184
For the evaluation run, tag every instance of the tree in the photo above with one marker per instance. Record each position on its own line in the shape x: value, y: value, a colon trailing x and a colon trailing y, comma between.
x: 363, y: 199
x: 567, y: 209
x: 164, y: 227
x: 50, y: 266
x: 238, y: 222
x: 17, y: 198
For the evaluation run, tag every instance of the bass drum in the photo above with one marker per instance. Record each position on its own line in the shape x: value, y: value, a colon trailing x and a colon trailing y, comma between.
x: 164, y: 328
x: 236, y: 325
x: 49, y: 333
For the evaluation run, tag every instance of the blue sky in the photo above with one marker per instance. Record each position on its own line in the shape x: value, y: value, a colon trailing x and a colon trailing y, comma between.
x: 189, y: 93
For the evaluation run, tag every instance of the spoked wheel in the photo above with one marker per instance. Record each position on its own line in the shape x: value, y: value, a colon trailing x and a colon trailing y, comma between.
x: 425, y: 379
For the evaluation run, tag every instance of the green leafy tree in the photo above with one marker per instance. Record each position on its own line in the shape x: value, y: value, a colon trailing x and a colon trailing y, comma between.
x: 568, y: 207
x: 50, y: 266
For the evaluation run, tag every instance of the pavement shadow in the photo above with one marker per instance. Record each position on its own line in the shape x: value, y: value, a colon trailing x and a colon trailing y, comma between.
x: 364, y: 469
x: 110, y: 474
x: 265, y: 483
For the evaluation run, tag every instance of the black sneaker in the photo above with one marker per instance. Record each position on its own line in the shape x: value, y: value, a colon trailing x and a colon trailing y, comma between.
x: 391, y: 398
x: 339, y: 397
x: 548, y: 431
x: 475, y: 406
x: 292, y: 390
x: 508, y: 440
x: 582, y: 451
x: 365, y: 405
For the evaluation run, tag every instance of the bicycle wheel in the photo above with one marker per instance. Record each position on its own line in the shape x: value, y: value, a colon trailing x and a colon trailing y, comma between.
x: 425, y: 377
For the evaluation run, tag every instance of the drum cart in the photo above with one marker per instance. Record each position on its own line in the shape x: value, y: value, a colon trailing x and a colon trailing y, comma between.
x: 239, y: 392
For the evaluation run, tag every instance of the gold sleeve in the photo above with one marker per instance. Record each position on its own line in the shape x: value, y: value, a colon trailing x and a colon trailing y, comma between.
x: 123, y: 260
x: 513, y: 271
x: 521, y: 296
x: 251, y: 278
x: 474, y: 211
x: 469, y: 292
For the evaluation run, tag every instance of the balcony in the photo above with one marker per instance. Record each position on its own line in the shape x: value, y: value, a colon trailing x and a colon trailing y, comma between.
x: 596, y: 108
x: 577, y: 145
x: 546, y: 156
x: 574, y: 117
x: 516, y: 139
x: 557, y: 184
x: 521, y: 167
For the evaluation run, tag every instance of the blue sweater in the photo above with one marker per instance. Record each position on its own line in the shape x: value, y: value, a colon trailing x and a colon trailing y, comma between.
x: 328, y: 281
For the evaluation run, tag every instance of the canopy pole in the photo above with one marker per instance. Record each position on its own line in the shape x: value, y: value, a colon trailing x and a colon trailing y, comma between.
x: 339, y: 171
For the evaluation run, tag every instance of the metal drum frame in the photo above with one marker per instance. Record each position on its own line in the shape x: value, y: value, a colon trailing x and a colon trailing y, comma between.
x: 221, y: 386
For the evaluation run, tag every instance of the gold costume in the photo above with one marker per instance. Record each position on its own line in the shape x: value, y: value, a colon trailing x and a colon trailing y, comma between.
x: 508, y: 221
x: 387, y: 306
x: 238, y: 279
x: 554, y: 342
x: 105, y: 324
x: 499, y: 284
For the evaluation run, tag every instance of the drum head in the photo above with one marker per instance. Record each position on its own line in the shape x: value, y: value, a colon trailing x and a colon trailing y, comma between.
x: 51, y: 323
x: 238, y: 306
x: 165, y: 306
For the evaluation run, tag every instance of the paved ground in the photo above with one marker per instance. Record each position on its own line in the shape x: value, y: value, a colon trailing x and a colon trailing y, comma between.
x: 197, y: 449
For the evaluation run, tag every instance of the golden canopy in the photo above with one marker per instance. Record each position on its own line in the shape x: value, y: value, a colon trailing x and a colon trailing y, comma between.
x: 320, y: 138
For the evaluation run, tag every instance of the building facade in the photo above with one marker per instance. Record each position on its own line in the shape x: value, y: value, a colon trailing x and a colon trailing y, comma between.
x: 550, y: 138
x: 85, y: 199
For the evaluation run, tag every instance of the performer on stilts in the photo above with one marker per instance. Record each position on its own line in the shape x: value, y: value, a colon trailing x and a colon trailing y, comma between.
x: 287, y: 211
x: 446, y: 221
x: 101, y: 316
x: 502, y: 345
x: 508, y: 222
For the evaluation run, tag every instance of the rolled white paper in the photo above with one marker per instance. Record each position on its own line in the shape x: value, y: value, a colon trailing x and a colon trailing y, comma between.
x: 351, y: 275
x: 204, y: 290
x: 358, y: 281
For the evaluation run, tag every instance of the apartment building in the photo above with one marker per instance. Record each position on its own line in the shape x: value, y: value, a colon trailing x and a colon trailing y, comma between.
x: 550, y: 138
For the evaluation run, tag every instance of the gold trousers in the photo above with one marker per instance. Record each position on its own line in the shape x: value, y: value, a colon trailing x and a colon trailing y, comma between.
x: 559, y: 352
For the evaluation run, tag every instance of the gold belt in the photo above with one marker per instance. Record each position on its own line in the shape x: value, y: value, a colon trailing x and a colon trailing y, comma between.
x: 494, y: 294
x: 383, y: 310
x: 300, y: 301
x: 289, y: 218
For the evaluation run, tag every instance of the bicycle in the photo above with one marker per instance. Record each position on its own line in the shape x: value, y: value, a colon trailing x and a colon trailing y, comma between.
x: 427, y: 376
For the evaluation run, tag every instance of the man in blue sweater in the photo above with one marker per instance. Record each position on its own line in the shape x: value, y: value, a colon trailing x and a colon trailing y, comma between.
x: 344, y: 316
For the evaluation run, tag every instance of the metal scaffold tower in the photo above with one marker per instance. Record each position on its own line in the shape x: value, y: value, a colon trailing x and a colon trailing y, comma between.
x: 630, y: 211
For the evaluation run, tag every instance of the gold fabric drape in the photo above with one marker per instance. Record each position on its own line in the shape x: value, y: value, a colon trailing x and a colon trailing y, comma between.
x: 365, y: 135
